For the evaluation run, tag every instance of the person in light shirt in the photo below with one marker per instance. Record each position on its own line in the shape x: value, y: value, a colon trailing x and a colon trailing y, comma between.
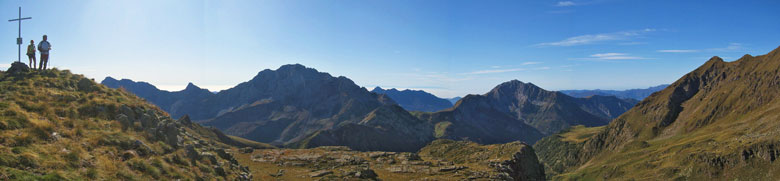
x: 44, y: 48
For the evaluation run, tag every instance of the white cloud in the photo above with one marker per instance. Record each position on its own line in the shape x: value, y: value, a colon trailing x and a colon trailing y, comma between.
x: 565, y: 3
x: 613, y: 56
x: 542, y: 68
x: 678, y: 51
x: 5, y: 66
x: 594, y: 38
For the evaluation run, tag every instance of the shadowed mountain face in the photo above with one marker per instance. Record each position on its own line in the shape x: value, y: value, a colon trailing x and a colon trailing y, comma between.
x: 718, y: 121
x: 415, y: 100
x: 521, y: 111
x: 637, y: 94
x: 301, y: 107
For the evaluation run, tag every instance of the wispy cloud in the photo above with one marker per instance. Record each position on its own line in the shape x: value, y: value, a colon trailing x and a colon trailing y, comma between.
x: 612, y: 56
x: 494, y: 71
x: 498, y: 69
x: 595, y: 38
x: 434, y: 76
x: 731, y: 47
x: 530, y: 63
x: 4, y: 66
x: 678, y: 51
x: 565, y: 3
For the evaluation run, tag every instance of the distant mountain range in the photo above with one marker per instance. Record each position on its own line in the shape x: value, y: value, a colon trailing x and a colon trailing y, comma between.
x: 299, y: 107
x: 415, y: 100
x: 170, y: 102
x: 719, y: 121
x: 296, y: 106
x: 521, y: 111
x: 637, y: 94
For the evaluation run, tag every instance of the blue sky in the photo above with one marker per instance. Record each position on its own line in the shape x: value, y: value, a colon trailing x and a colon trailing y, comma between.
x: 449, y: 48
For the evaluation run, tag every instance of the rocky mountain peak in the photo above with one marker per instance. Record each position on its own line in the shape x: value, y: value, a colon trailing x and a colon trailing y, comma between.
x: 191, y: 86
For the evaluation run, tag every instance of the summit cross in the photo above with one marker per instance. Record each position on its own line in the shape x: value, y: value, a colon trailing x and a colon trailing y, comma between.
x: 19, y: 39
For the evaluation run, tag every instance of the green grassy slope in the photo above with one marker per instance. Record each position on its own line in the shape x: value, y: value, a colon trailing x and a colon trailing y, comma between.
x: 55, y: 125
x: 718, y: 122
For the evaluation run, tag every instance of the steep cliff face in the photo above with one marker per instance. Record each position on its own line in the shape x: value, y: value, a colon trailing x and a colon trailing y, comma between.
x: 717, y: 121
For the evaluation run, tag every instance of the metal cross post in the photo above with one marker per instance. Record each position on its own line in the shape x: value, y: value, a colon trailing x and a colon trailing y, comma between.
x: 19, y: 39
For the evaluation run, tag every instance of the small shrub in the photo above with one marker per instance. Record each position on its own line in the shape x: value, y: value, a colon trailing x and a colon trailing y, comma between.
x: 179, y: 160
x: 74, y: 157
x: 123, y: 141
x: 51, y: 177
x: 23, y: 140
x: 141, y: 166
x: 7, y: 160
x: 28, y: 160
x: 42, y: 130
x: 92, y: 173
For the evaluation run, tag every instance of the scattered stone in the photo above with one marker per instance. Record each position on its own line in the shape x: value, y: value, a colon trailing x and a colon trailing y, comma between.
x: 335, y: 148
x: 142, y: 148
x: 18, y: 68
x: 278, y: 173
x: 247, y: 150
x: 320, y: 173
x: 380, y: 154
x: 451, y: 168
x: 220, y: 171
x: 192, y: 153
x: 224, y: 154
x: 209, y: 156
x: 55, y: 136
x: 400, y: 169
x: 366, y: 174
x: 129, y: 154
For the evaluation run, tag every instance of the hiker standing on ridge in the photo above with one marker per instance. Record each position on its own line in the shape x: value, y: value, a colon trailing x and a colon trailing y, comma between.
x: 44, y: 48
x: 31, y: 54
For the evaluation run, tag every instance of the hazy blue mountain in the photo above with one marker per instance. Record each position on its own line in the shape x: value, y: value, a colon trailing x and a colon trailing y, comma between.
x: 638, y: 94
x: 454, y: 100
x: 168, y: 101
x: 415, y: 100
